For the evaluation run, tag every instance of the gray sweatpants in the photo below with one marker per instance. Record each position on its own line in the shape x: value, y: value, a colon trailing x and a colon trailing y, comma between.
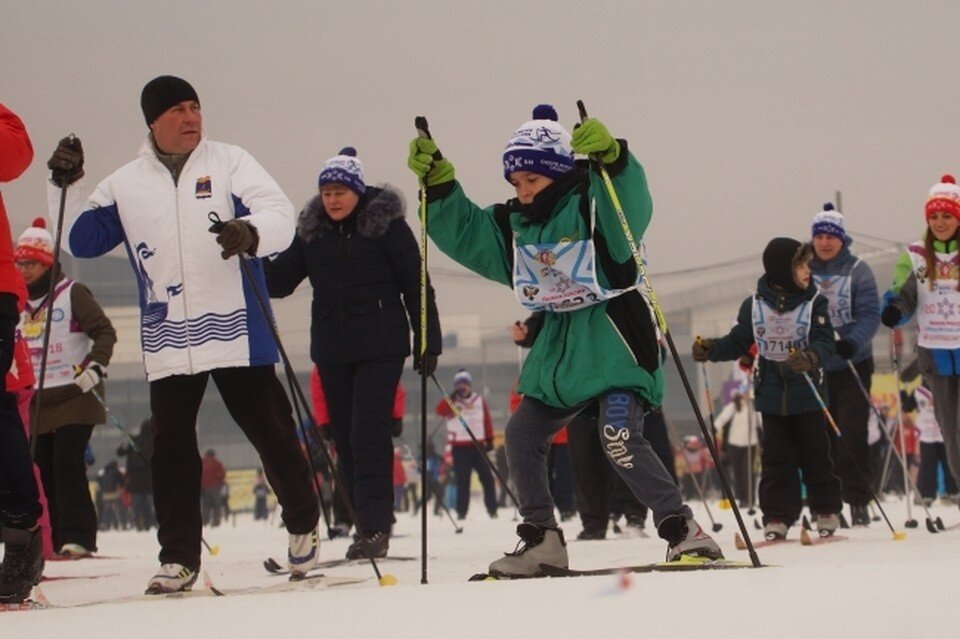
x: 534, y: 423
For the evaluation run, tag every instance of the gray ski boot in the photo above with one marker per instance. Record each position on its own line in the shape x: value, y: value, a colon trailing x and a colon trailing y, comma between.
x: 537, y: 545
x: 686, y: 537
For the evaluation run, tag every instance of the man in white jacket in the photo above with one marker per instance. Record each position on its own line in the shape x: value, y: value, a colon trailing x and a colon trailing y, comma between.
x: 199, y: 318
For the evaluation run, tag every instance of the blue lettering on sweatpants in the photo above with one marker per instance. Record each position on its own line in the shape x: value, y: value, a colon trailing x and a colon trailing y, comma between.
x: 616, y: 430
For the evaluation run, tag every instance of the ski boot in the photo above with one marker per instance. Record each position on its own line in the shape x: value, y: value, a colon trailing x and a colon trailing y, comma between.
x: 22, y: 564
x: 775, y: 530
x: 303, y: 552
x: 171, y: 578
x: 377, y: 542
x: 591, y: 533
x: 75, y: 551
x: 859, y: 515
x: 827, y: 524
x: 537, y: 545
x: 686, y: 538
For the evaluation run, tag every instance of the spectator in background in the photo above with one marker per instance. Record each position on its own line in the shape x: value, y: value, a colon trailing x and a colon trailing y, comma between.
x: 139, y: 482
x: 261, y: 490
x: 466, y: 457
x: 110, y: 482
x: 740, y: 428
x: 212, y: 481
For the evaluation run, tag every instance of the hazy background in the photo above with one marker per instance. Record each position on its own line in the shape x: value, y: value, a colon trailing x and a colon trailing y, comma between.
x: 746, y: 115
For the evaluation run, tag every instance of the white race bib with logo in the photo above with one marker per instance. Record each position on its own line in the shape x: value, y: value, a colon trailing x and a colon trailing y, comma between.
x: 938, y: 310
x: 776, y: 334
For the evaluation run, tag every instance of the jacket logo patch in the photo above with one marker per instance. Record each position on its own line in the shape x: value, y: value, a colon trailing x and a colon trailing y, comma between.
x: 204, y: 188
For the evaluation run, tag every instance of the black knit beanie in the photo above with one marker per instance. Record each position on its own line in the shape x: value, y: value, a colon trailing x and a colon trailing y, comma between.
x: 778, y: 262
x: 163, y: 92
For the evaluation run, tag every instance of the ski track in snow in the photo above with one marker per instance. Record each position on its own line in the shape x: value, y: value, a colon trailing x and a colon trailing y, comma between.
x: 868, y: 586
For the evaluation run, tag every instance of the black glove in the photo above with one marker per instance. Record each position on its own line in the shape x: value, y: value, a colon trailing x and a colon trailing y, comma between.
x: 396, y: 426
x: 236, y: 237
x: 429, y: 364
x: 802, y: 361
x: 891, y: 316
x: 701, y: 350
x: 488, y: 445
x: 66, y: 163
x: 845, y: 348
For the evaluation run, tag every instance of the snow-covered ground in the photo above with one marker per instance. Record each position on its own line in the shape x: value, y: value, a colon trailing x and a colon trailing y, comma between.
x: 868, y: 586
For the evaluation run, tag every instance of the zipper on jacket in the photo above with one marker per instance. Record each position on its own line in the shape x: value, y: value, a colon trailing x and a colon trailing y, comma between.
x: 563, y: 351
x: 340, y: 308
x: 183, y: 287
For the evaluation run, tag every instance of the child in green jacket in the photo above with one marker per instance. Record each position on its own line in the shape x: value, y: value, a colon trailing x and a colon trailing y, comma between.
x: 560, y: 246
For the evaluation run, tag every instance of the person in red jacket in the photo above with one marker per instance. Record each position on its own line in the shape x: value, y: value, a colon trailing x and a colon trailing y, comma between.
x: 19, y: 502
x: 20, y: 382
x: 466, y: 458
x: 213, y: 478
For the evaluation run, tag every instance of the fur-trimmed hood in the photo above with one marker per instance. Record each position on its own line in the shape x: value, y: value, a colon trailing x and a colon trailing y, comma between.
x: 378, y: 207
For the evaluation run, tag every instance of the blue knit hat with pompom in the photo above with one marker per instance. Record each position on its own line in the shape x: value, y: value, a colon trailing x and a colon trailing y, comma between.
x: 344, y: 168
x: 539, y: 146
x: 829, y: 222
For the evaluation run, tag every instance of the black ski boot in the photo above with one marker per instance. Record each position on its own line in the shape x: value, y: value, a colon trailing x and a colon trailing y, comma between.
x: 22, y: 563
x: 859, y: 515
x: 377, y: 542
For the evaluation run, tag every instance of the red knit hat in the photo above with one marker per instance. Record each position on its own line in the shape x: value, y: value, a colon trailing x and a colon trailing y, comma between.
x: 35, y: 244
x: 945, y: 197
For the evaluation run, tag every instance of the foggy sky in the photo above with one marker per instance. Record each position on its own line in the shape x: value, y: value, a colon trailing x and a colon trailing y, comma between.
x: 746, y: 115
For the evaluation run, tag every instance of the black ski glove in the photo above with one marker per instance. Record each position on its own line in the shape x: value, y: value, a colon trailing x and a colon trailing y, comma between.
x: 891, y: 316
x: 845, y: 348
x: 66, y: 163
x: 429, y: 364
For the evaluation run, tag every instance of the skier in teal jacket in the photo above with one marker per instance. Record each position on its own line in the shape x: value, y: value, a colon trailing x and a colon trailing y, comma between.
x: 560, y: 246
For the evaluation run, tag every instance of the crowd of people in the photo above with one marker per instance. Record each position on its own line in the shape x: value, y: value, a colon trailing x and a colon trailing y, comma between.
x: 586, y: 434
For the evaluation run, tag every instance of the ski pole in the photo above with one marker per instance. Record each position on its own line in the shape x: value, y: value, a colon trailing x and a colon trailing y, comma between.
x: 717, y: 527
x: 476, y: 442
x: 213, y: 550
x: 664, y: 329
x: 724, y: 503
x: 897, y: 536
x: 895, y: 343
x: 751, y: 422
x: 309, y: 454
x: 48, y: 319
x: 423, y: 131
x: 933, y: 525
x: 383, y: 580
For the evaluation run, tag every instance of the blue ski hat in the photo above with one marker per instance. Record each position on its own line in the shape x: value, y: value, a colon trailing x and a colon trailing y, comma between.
x: 539, y: 146
x: 344, y: 168
x: 829, y: 222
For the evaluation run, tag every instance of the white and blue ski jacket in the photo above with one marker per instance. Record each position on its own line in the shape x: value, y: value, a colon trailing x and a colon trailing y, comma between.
x: 196, y: 311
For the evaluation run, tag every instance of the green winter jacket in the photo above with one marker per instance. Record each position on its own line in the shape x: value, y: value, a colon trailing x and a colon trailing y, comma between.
x: 578, y: 355
x: 780, y: 391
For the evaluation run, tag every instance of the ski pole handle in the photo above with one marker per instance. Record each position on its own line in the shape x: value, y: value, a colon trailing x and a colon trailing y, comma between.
x: 423, y: 130
x: 582, y: 109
